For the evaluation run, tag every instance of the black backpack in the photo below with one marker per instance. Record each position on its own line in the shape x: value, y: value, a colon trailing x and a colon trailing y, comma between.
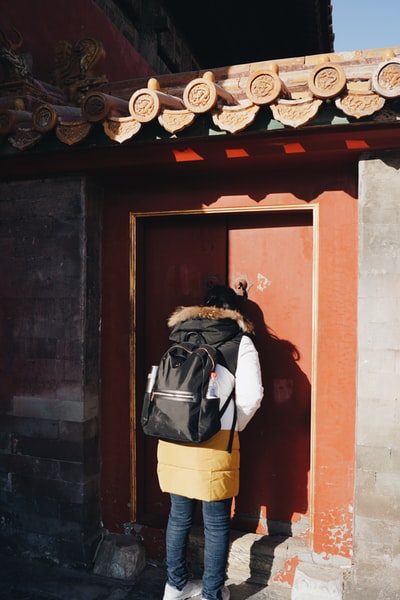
x: 177, y: 409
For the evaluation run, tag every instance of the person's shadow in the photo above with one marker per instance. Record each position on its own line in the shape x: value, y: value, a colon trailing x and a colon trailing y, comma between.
x: 275, y: 446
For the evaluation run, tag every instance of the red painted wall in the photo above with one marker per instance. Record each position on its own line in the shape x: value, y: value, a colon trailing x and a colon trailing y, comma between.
x: 333, y: 193
x: 334, y: 417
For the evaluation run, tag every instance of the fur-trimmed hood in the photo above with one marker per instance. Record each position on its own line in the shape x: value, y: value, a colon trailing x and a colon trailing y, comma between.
x: 219, y: 327
x: 186, y: 313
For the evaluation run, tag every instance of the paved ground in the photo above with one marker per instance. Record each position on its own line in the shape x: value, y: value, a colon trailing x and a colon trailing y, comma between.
x: 30, y: 580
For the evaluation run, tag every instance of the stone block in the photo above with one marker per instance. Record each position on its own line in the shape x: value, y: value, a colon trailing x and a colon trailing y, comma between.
x: 373, y: 285
x: 388, y: 484
x: 120, y: 557
x: 30, y: 505
x: 373, y: 583
x: 5, y: 441
x: 372, y: 459
x: 369, y: 531
x: 366, y: 481
x: 51, y: 449
x: 312, y: 582
x: 39, y: 488
x: 369, y: 433
x: 379, y: 336
x: 47, y: 408
x: 379, y: 361
x: 377, y: 409
x: 394, y: 460
x: 252, y: 556
x: 30, y: 427
x: 376, y: 310
x: 376, y: 506
x: 380, y: 248
x: 377, y: 392
x: 376, y: 553
x: 87, y: 514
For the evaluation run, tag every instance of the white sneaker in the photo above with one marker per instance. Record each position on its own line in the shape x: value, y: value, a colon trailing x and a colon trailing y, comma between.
x: 225, y: 593
x: 192, y: 588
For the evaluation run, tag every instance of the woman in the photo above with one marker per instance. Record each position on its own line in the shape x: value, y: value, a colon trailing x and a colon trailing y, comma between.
x: 207, y: 471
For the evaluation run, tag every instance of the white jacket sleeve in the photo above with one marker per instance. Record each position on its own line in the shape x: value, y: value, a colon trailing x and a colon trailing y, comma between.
x: 249, y: 388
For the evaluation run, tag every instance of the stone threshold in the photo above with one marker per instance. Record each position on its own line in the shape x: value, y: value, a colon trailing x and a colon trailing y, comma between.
x: 284, y: 566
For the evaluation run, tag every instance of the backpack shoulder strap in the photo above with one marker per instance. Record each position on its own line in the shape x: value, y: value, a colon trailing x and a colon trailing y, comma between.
x: 222, y: 411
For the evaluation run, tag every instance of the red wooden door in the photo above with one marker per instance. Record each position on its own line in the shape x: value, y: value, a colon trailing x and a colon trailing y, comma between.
x: 275, y: 253
x: 176, y: 257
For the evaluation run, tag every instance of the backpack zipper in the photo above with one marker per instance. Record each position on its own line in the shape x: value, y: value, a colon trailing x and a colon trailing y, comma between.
x: 178, y: 393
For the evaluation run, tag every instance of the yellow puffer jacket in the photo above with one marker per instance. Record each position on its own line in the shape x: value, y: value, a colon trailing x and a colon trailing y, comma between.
x: 204, y: 471
x: 207, y: 471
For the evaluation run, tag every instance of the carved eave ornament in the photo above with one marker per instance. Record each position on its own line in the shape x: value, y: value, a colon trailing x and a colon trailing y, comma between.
x: 174, y: 121
x: 360, y: 101
x: 23, y: 139
x: 73, y: 133
x: 120, y: 129
x: 289, y: 93
x: 235, y: 118
x: 295, y: 112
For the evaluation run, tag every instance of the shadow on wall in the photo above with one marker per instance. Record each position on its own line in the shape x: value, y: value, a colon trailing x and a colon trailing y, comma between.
x: 7, y: 356
x: 275, y: 446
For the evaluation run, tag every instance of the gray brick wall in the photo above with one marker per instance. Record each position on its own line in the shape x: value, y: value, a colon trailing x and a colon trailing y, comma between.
x: 49, y: 369
x: 377, y: 493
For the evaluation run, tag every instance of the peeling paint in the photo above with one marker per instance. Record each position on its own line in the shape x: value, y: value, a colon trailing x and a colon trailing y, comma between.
x: 337, y: 523
x: 286, y: 575
x: 263, y: 282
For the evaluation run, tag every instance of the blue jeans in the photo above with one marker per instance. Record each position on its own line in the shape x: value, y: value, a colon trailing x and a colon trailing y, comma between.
x: 216, y: 518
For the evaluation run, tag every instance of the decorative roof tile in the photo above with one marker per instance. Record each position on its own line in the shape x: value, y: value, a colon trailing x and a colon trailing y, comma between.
x: 290, y: 92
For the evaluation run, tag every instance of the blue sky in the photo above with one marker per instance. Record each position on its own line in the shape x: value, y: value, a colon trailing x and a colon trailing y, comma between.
x: 365, y: 24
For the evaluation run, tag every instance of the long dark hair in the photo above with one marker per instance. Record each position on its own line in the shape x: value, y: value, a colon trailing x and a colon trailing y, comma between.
x: 222, y: 296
